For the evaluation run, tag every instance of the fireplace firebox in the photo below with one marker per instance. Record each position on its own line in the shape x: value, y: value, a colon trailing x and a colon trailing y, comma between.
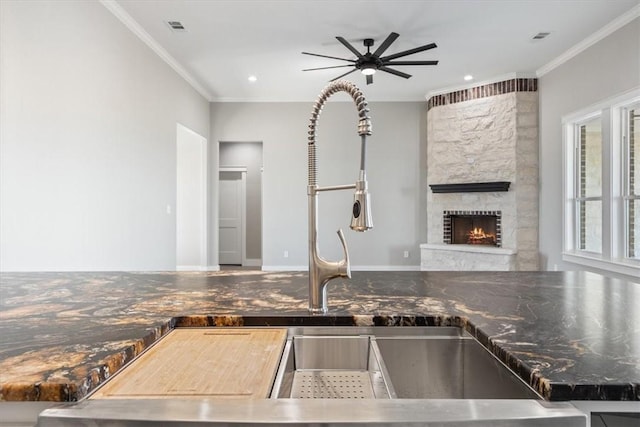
x: 472, y: 227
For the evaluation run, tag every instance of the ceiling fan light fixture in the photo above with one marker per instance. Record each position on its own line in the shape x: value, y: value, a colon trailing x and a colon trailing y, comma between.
x: 368, y: 71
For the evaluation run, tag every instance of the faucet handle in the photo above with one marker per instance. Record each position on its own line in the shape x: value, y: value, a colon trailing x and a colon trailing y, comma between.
x: 345, y: 265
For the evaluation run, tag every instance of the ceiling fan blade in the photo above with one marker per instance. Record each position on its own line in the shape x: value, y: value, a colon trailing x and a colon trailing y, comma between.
x: 385, y: 44
x: 409, y: 52
x: 395, y: 72
x: 341, y: 76
x: 369, y: 79
x: 410, y: 63
x: 326, y: 56
x: 326, y: 68
x: 351, y: 48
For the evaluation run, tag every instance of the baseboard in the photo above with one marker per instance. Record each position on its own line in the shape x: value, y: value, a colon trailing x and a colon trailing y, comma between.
x: 252, y: 262
x: 353, y: 268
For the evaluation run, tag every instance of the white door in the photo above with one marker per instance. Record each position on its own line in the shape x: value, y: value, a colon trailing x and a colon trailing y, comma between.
x: 231, y: 217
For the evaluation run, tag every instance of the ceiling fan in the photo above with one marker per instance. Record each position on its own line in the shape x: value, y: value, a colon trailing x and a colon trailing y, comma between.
x: 368, y: 63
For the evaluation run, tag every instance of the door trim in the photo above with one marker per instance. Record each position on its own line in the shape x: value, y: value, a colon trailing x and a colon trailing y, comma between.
x: 243, y: 207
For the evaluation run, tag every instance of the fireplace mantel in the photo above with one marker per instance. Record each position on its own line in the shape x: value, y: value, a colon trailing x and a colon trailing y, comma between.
x: 471, y: 187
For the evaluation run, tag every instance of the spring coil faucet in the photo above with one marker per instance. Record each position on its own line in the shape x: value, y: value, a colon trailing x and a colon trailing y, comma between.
x: 322, y: 271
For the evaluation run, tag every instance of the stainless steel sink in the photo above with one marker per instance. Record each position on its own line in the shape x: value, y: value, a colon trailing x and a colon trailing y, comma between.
x: 396, y: 363
x: 418, y: 376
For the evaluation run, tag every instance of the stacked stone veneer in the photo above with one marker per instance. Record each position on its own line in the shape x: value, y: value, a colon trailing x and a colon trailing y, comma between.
x: 482, y: 134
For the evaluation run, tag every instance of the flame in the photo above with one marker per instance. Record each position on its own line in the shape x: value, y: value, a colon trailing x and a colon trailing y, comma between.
x: 478, y: 236
x: 477, y: 232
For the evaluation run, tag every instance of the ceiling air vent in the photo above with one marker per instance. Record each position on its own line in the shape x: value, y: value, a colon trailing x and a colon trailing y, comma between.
x: 540, y: 36
x: 176, y: 26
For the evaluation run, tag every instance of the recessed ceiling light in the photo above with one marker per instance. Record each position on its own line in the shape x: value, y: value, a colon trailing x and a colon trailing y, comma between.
x: 468, y: 77
x: 252, y: 79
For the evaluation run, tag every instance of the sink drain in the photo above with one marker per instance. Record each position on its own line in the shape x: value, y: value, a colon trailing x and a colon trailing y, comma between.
x: 332, y: 385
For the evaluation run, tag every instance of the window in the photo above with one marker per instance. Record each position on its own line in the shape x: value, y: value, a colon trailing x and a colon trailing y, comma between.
x: 588, y: 200
x: 602, y: 185
x: 631, y: 195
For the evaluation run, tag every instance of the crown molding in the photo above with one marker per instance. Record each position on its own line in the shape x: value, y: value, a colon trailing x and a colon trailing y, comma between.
x: 608, y: 29
x: 113, y: 7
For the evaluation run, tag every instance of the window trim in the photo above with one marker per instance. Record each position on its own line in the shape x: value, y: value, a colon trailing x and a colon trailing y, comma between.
x: 614, y: 173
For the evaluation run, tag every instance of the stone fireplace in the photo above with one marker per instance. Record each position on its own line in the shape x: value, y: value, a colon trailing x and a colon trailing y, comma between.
x: 482, y: 171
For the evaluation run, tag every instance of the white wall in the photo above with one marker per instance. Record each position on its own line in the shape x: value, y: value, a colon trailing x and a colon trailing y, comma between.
x: 88, y: 149
x: 191, y: 199
x: 395, y: 167
x: 608, y: 68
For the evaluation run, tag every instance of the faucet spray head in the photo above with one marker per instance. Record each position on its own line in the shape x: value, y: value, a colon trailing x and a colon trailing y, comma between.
x: 361, y: 215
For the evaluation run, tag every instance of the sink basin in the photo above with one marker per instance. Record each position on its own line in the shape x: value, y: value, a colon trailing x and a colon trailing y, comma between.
x: 330, y: 367
x: 392, y: 363
x: 445, y: 368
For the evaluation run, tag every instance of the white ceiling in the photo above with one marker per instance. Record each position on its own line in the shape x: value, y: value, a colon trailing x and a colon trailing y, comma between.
x: 226, y: 41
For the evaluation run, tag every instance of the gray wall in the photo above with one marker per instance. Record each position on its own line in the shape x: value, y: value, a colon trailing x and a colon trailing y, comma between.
x: 249, y: 155
x: 395, y: 171
x: 88, y: 141
x: 608, y: 68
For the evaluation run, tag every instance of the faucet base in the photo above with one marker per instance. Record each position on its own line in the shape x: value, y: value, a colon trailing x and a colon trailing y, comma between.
x: 318, y: 311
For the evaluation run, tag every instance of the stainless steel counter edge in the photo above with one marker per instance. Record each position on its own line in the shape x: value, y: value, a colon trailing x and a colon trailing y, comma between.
x: 326, y: 412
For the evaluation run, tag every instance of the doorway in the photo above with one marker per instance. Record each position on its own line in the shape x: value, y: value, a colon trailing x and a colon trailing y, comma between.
x: 191, y: 226
x: 240, y: 164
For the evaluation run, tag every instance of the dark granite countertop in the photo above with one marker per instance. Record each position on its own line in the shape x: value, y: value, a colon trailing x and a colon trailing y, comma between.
x: 571, y: 335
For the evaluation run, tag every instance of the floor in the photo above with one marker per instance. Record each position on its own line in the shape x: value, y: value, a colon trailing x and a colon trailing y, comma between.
x: 234, y: 267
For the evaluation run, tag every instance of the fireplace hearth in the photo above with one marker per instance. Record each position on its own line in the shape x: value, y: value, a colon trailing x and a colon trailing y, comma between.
x: 472, y: 228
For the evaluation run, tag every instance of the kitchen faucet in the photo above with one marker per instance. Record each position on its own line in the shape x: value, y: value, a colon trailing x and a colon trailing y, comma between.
x: 322, y: 271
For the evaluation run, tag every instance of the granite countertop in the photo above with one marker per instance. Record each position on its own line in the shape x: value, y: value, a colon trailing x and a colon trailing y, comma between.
x: 571, y: 335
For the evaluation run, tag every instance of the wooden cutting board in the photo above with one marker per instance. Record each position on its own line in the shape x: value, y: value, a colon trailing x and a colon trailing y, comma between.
x: 202, y: 363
